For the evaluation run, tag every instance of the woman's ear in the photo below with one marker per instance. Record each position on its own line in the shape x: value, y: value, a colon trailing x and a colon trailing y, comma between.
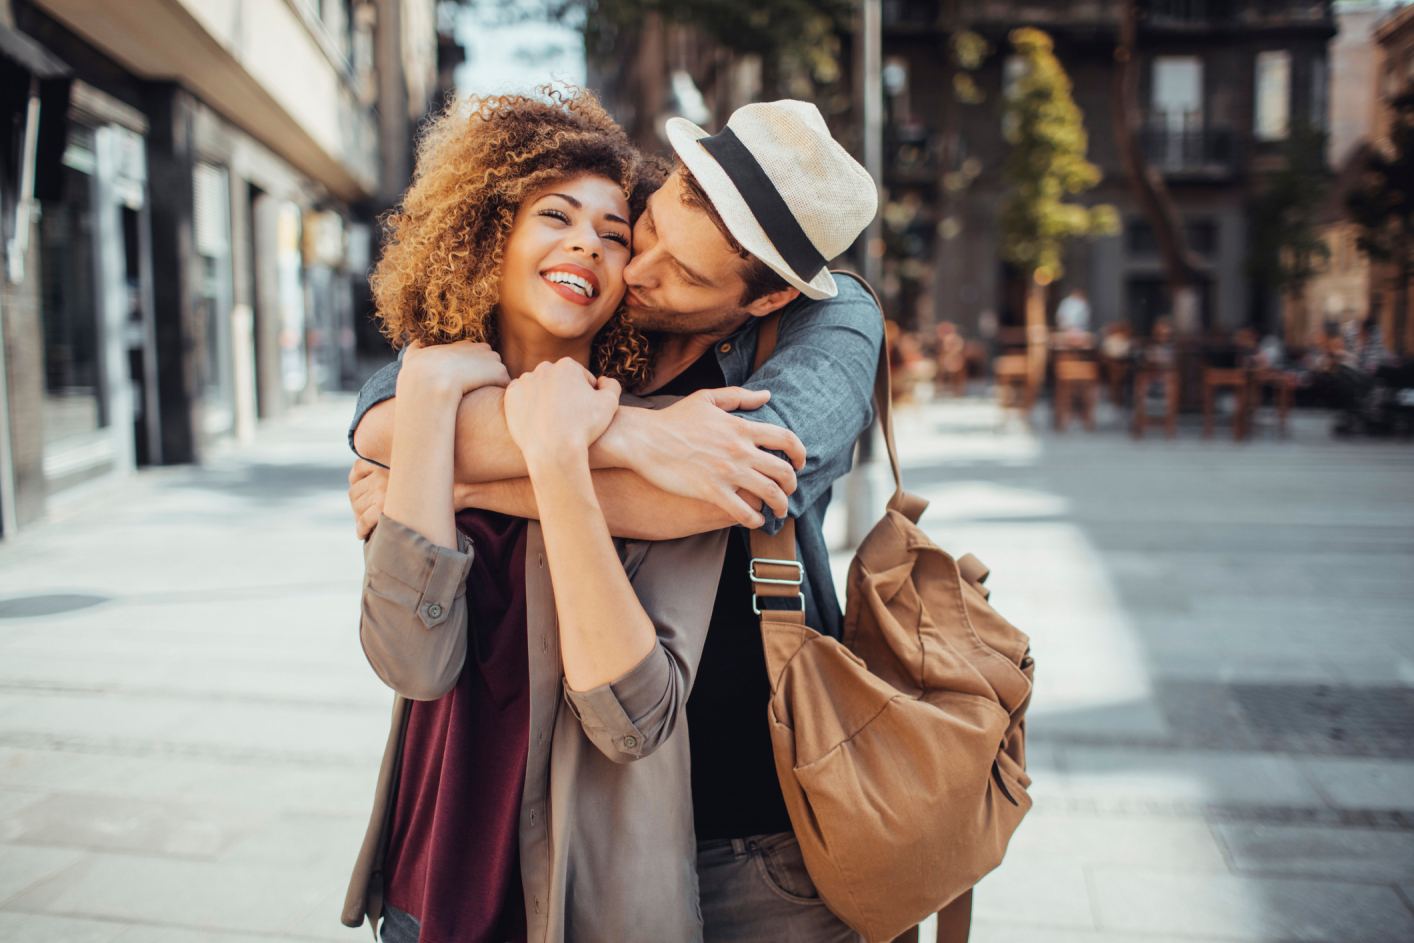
x: 767, y: 303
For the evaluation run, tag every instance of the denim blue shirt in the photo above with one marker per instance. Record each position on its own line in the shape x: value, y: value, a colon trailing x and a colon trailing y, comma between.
x: 821, y: 378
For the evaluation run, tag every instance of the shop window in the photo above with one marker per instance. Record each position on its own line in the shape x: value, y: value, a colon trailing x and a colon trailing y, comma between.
x: 212, y: 235
x: 74, y: 405
x: 1272, y: 113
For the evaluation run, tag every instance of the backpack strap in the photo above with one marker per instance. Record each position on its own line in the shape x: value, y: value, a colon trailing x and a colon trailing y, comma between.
x: 774, y: 570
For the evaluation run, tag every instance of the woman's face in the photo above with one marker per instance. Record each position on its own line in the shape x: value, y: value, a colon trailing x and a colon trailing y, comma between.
x: 562, y: 268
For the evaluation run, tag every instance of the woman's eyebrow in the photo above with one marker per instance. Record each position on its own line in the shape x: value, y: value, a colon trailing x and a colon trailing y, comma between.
x: 611, y: 217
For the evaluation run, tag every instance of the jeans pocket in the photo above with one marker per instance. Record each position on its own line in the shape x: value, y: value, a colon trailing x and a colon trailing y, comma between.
x: 783, y: 870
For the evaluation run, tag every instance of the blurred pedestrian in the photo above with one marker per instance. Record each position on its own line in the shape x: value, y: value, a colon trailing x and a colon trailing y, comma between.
x: 1073, y: 313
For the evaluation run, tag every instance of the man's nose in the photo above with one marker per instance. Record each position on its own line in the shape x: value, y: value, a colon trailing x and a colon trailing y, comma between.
x: 637, y: 273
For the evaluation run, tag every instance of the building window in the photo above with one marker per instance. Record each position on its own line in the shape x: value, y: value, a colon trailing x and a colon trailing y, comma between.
x: 1272, y: 112
x: 1201, y: 234
x: 1320, y: 94
x: 1177, y: 94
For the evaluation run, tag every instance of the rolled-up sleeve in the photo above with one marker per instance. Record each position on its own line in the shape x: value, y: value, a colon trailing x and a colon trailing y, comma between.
x: 413, y: 619
x: 676, y: 583
x: 821, y: 378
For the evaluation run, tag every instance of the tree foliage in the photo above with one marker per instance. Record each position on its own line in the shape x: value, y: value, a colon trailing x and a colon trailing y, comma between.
x: 1286, y: 249
x: 1046, y: 164
x: 796, y: 39
x: 1382, y: 205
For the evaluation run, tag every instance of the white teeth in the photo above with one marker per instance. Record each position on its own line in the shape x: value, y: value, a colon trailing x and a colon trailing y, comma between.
x: 580, y: 285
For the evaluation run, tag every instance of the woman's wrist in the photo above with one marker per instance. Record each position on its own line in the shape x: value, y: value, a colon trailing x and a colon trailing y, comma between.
x: 559, y: 459
x: 426, y: 385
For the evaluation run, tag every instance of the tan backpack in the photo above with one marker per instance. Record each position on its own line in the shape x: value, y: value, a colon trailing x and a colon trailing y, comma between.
x: 900, y: 748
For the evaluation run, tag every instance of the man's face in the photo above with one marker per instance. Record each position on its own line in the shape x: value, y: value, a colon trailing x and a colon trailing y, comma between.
x: 684, y: 277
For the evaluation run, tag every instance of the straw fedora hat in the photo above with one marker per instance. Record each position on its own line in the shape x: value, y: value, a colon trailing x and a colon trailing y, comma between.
x: 788, y: 192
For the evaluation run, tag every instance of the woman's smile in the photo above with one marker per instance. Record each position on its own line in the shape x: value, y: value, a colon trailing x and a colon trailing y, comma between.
x: 573, y: 282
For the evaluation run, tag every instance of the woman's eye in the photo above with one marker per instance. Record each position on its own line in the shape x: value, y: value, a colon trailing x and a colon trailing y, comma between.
x: 557, y: 214
x: 620, y: 238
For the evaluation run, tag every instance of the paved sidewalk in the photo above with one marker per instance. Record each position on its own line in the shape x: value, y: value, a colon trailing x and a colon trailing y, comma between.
x: 1223, y: 725
x: 191, y: 757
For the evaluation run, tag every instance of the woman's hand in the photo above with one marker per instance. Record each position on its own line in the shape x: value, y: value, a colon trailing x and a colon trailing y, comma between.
x: 557, y: 410
x: 460, y: 367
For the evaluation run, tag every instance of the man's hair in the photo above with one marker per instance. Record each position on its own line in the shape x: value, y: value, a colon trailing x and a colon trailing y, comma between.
x: 760, y: 278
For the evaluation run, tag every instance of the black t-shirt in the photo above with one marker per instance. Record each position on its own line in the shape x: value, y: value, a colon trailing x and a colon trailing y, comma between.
x: 735, y: 792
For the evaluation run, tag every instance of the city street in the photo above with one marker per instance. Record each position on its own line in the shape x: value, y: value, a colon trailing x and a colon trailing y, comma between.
x: 1221, y: 738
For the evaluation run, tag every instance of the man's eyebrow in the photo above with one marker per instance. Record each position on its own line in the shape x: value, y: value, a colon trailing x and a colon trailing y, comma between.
x: 692, y: 276
x: 687, y: 273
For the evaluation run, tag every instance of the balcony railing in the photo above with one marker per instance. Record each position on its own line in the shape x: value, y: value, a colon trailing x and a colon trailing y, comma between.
x: 1201, y: 151
x: 1254, y: 13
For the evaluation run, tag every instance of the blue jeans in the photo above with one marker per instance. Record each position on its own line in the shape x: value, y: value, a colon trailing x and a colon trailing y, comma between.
x: 756, y: 890
x: 399, y: 927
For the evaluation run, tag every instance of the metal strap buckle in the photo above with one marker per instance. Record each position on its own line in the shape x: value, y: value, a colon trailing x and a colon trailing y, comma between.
x: 799, y: 571
x: 799, y: 579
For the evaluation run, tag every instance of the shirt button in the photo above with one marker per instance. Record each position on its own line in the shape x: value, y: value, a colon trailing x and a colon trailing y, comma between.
x: 630, y: 742
x: 532, y: 816
x: 544, y: 643
x: 435, y: 611
x: 726, y: 348
x: 537, y: 905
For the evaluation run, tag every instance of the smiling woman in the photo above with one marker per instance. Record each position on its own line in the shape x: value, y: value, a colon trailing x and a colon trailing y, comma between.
x: 527, y: 653
x: 481, y: 166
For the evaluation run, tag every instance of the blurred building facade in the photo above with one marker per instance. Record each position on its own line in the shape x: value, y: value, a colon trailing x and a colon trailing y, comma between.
x: 1342, y: 292
x: 188, y: 190
x: 1222, y: 82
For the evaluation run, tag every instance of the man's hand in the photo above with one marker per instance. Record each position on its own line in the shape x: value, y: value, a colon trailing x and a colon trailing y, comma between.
x: 368, y: 486
x: 695, y: 448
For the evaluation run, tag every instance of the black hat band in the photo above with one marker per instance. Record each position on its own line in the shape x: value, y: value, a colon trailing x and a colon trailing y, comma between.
x: 765, y: 203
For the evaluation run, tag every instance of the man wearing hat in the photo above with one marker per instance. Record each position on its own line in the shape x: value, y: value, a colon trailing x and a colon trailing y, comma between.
x: 743, y: 228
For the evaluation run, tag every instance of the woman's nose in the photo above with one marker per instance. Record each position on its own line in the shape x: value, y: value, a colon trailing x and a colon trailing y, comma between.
x: 586, y: 246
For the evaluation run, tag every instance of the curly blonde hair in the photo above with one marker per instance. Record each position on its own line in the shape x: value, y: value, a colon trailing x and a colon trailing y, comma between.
x: 439, y: 279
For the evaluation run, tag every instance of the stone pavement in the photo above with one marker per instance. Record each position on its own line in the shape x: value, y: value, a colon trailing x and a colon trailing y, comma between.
x: 1223, y: 724
x: 191, y: 757
x: 1223, y: 730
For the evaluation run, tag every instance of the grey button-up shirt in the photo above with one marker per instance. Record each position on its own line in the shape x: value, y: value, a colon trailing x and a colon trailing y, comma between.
x: 606, y: 841
x: 821, y: 378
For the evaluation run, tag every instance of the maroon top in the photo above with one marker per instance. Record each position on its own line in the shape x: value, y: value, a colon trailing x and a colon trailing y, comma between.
x: 453, y: 854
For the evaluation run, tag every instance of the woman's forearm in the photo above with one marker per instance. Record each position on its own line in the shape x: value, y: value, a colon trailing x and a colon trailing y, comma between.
x: 420, y: 474
x: 604, y: 631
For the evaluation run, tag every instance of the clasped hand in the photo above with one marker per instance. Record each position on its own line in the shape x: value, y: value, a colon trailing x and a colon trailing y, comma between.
x: 556, y: 411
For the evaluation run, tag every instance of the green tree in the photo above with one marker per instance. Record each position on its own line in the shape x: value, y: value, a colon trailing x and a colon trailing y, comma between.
x: 1382, y: 206
x: 797, y: 41
x: 1286, y: 249
x: 1046, y: 164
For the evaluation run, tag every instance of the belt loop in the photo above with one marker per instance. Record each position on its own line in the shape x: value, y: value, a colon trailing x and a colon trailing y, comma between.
x: 739, y: 847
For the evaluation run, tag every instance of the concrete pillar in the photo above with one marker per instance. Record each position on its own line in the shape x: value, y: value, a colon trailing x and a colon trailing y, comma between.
x: 171, y: 160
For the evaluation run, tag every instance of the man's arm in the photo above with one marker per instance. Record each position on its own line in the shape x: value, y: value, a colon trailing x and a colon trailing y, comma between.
x: 632, y: 507
x: 821, y: 378
x: 695, y: 449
